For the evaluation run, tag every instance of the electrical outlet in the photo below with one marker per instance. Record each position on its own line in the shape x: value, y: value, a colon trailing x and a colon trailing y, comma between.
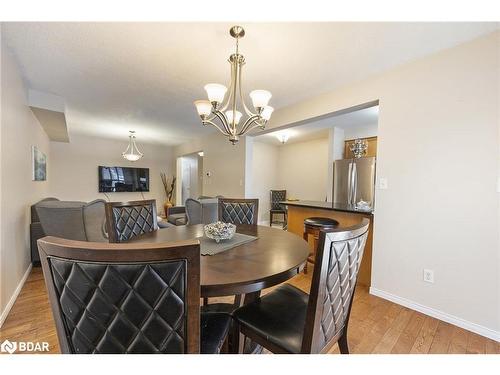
x: 382, y: 183
x: 428, y: 276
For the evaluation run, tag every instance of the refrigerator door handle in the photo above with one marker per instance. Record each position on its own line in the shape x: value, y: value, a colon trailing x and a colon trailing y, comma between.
x: 349, y: 183
x: 354, y: 183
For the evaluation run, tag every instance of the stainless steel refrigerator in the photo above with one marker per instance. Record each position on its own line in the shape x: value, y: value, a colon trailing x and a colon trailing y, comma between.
x: 354, y: 181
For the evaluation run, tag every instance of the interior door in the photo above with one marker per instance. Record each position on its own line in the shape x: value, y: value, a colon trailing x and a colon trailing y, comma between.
x: 186, y: 180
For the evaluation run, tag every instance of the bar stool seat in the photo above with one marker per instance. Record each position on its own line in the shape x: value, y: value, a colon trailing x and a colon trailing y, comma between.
x: 312, y: 226
x: 323, y: 222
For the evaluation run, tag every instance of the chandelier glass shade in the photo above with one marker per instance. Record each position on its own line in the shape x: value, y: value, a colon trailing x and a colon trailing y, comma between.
x: 132, y: 152
x: 224, y: 108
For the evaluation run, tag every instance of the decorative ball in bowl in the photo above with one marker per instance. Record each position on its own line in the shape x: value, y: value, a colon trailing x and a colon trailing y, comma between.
x: 219, y: 231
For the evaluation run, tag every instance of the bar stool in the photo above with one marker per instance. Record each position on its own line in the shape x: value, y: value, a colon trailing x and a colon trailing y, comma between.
x: 312, y: 226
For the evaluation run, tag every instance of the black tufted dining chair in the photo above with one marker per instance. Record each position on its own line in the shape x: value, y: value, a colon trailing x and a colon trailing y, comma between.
x: 128, y: 298
x: 125, y: 220
x: 288, y: 320
x: 239, y: 211
x: 277, y: 196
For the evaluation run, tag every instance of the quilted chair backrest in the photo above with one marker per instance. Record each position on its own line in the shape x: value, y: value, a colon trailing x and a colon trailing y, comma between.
x: 276, y: 197
x: 239, y: 211
x: 105, y: 299
x: 338, y: 259
x: 129, y: 219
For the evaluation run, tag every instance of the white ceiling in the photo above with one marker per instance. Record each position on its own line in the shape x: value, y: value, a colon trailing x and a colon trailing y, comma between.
x: 117, y: 77
x: 361, y: 121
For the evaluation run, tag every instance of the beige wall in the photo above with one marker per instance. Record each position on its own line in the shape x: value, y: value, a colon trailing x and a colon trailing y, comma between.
x: 264, y: 176
x: 19, y: 131
x: 303, y: 169
x: 299, y: 168
x: 438, y: 147
x: 74, y: 168
x: 225, y: 162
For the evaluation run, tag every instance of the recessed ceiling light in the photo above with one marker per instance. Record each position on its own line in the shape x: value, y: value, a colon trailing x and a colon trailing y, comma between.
x: 201, y: 153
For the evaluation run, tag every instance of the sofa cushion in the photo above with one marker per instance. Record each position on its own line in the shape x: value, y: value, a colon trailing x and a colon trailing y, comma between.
x: 177, y: 219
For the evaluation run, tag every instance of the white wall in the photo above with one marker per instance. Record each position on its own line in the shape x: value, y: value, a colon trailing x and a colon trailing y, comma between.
x: 438, y: 146
x: 19, y: 131
x: 366, y: 131
x: 264, y: 176
x: 74, y: 168
x: 225, y: 162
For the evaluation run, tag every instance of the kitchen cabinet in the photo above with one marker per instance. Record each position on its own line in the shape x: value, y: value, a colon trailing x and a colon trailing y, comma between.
x: 371, y: 151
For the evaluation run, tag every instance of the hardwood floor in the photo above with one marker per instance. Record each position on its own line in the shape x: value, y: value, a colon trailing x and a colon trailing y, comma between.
x: 376, y: 326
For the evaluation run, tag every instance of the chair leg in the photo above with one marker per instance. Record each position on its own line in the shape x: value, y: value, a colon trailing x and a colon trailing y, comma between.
x: 235, y: 339
x: 343, y: 346
x: 225, y: 347
x: 270, y: 219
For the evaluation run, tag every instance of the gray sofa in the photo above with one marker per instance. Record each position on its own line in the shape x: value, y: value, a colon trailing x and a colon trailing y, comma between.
x: 177, y: 215
x: 71, y: 220
x: 74, y: 220
x: 36, y: 230
x: 80, y: 221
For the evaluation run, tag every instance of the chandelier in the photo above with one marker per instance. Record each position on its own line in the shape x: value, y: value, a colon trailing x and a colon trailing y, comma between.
x: 224, y: 114
x: 359, y: 148
x: 132, y: 153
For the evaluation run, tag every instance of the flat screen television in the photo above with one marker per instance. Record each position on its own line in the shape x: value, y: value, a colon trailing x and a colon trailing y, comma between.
x: 123, y: 179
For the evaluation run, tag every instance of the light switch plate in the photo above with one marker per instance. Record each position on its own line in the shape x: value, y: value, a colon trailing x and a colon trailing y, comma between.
x: 428, y: 276
x: 382, y: 183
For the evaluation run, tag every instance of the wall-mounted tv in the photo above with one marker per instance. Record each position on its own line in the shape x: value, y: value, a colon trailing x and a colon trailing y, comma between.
x: 123, y: 179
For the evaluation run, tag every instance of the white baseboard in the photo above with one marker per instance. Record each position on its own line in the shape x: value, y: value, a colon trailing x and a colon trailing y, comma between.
x: 13, y: 298
x: 459, y: 322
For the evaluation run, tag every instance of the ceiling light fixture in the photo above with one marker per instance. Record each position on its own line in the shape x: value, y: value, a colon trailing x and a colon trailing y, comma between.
x: 283, y: 136
x: 226, y: 111
x: 132, y: 153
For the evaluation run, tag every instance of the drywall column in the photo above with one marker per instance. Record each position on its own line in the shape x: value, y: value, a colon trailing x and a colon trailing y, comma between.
x: 335, y: 152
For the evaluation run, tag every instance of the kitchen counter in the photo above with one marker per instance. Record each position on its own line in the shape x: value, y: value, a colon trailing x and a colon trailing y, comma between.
x: 328, y: 206
x: 345, y: 215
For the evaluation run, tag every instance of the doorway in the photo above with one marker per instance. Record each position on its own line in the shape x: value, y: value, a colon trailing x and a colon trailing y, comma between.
x: 190, y: 176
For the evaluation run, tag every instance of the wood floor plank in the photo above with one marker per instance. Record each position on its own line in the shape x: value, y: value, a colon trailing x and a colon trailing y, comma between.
x: 476, y: 344
x: 458, y: 342
x: 442, y: 338
x: 376, y: 325
x: 425, y: 337
x: 407, y: 338
x: 492, y: 347
x: 392, y: 334
x: 382, y: 324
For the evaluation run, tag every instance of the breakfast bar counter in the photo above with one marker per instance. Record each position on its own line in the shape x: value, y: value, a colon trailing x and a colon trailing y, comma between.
x: 345, y: 215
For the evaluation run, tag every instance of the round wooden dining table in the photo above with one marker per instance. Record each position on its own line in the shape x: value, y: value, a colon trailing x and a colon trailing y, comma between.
x: 274, y: 257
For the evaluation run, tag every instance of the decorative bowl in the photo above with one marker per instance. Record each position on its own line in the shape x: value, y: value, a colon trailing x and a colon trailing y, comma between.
x: 219, y: 231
